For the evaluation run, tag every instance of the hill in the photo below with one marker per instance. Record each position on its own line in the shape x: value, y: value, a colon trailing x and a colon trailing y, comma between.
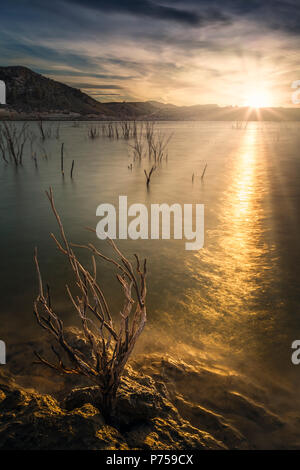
x: 30, y: 92
x: 30, y: 95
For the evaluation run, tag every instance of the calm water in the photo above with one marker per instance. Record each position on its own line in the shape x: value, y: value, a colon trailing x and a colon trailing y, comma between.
x: 237, y: 298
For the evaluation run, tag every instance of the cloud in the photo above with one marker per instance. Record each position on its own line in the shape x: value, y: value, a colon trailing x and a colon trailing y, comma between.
x: 105, y: 94
x: 151, y: 9
x: 95, y: 86
x: 277, y: 15
x: 74, y: 73
x: 181, y: 51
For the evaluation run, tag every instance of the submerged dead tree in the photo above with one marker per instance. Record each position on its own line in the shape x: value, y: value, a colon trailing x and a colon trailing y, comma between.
x: 40, y: 125
x: 203, y: 172
x: 13, y: 138
x: 62, y: 159
x: 93, y: 132
x: 138, y: 145
x: 111, y: 342
x: 148, y: 175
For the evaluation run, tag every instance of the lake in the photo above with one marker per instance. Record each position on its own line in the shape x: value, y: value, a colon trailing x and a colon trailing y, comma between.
x: 236, y: 301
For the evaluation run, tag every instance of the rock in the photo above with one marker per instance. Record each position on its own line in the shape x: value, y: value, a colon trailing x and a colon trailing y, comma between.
x: 32, y: 421
x: 162, y: 403
x: 160, y: 434
x: 79, y: 396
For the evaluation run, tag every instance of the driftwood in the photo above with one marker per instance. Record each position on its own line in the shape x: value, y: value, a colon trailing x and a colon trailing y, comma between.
x: 110, y: 345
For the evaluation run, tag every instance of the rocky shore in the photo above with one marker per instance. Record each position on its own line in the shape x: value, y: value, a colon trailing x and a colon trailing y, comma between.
x: 163, y: 403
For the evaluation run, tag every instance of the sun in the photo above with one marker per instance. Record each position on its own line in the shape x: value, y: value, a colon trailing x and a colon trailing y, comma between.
x: 258, y: 99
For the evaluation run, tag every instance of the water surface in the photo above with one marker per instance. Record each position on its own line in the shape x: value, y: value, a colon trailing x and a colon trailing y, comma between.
x: 237, y: 299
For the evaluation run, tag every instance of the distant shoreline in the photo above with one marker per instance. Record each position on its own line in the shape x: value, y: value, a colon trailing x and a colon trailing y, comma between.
x: 53, y: 118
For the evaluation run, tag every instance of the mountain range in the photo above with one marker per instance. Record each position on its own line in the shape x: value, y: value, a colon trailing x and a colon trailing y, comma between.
x: 30, y: 95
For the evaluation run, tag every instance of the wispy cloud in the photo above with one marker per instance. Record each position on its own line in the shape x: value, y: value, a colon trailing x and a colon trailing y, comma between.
x: 95, y: 86
x: 152, y: 9
x: 176, y: 51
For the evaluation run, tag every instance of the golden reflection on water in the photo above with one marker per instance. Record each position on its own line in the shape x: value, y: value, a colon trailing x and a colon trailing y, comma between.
x: 241, y: 210
x: 230, y: 268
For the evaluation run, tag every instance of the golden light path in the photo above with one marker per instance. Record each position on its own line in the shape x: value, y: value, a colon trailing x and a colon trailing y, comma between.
x: 230, y: 269
x: 235, y: 259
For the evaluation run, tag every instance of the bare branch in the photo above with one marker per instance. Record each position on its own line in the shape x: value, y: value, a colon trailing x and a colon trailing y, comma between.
x: 110, y: 341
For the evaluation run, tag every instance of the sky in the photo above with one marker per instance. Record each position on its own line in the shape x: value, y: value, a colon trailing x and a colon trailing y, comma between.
x: 233, y: 52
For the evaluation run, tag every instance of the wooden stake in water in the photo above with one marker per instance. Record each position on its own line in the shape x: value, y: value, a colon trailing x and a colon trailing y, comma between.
x: 204, y: 172
x: 62, y: 158
x: 72, y: 168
